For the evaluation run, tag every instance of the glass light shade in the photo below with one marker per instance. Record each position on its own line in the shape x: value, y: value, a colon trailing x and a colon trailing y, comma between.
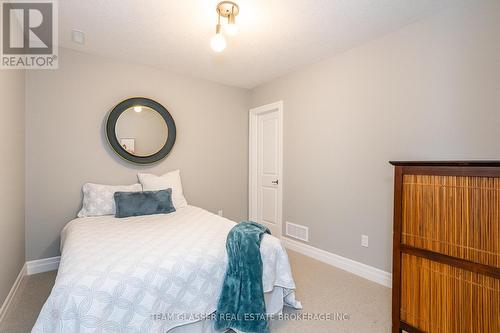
x: 137, y: 109
x: 218, y: 43
x: 231, y: 29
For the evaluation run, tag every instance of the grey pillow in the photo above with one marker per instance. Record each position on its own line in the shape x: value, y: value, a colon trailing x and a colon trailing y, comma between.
x: 143, y: 203
x: 98, y: 199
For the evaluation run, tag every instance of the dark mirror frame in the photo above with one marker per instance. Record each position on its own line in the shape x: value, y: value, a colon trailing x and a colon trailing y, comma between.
x: 140, y: 101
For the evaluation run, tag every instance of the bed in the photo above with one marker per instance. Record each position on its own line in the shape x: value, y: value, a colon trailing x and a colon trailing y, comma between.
x: 156, y: 273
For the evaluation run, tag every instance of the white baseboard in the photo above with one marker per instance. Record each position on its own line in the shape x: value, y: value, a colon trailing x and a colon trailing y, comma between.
x: 42, y: 265
x: 29, y: 268
x: 368, y: 272
x: 12, y: 292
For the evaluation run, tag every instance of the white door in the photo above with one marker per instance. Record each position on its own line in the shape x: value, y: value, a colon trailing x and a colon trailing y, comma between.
x: 266, y: 166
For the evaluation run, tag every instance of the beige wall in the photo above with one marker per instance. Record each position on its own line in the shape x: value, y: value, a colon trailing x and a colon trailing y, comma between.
x: 66, y: 146
x: 12, y: 243
x: 428, y: 91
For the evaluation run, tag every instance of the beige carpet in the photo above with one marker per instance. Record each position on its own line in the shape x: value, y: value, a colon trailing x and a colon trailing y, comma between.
x: 320, y: 288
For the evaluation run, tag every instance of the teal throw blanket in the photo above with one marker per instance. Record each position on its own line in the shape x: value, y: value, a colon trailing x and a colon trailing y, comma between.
x: 241, y: 303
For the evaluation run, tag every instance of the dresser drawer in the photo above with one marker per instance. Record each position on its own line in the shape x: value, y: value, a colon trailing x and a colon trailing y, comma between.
x: 452, y: 215
x: 436, y: 297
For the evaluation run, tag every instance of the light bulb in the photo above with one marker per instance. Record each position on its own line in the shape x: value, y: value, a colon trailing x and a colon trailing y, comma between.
x: 231, y: 29
x: 218, y: 42
x: 137, y: 109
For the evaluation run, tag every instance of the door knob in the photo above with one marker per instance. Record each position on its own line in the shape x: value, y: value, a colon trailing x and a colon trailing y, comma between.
x: 275, y: 182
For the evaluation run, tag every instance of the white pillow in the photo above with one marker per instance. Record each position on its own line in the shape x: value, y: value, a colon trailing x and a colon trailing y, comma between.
x: 99, y: 199
x: 169, y: 180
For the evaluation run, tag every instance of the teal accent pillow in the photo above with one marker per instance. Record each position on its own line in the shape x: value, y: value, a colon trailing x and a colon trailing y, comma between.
x: 143, y: 203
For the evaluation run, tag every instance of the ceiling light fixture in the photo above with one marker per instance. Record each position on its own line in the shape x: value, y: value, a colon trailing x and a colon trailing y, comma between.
x: 218, y: 42
x: 229, y: 10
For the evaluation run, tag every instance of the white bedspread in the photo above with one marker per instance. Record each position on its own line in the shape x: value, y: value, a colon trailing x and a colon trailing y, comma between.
x: 115, y: 274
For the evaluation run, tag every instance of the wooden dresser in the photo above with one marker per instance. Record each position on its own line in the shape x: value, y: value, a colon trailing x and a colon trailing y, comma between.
x: 446, y: 247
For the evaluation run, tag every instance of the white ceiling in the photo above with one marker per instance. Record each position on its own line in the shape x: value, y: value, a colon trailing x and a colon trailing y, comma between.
x: 275, y: 38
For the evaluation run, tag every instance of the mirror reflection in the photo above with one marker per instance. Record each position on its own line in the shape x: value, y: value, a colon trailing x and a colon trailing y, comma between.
x: 141, y: 131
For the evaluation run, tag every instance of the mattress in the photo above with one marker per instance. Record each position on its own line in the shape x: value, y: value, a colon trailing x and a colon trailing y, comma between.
x: 156, y: 273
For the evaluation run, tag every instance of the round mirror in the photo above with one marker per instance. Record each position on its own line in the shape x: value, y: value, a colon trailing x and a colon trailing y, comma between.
x: 141, y: 130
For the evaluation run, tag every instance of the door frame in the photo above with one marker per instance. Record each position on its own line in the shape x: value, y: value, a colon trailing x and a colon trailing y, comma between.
x: 252, y: 161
